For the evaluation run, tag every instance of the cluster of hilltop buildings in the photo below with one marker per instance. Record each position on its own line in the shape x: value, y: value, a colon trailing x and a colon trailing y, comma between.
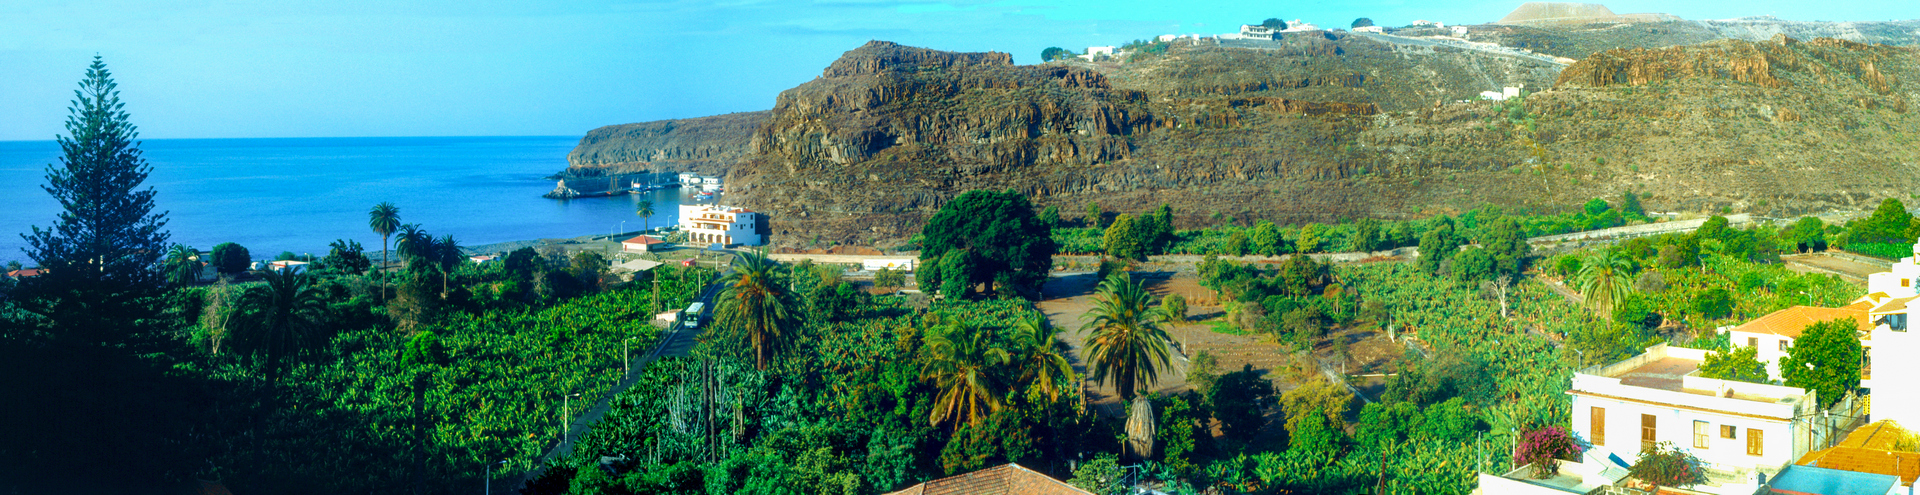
x: 1754, y: 438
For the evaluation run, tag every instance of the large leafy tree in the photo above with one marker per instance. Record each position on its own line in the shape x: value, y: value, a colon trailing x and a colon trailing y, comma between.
x: 1824, y: 359
x: 1741, y: 364
x: 101, y: 251
x: 991, y: 237
x: 1125, y: 342
x: 1605, y: 280
x: 962, y: 361
x: 1667, y: 465
x: 755, y: 308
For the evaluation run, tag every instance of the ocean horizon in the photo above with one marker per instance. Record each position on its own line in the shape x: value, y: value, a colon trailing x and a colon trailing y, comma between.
x: 275, y: 195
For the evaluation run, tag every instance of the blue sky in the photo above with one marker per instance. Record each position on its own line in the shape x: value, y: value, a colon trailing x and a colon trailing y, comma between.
x: 299, y: 68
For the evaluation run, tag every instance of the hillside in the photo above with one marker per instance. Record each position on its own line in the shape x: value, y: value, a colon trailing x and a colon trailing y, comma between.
x: 1326, y: 127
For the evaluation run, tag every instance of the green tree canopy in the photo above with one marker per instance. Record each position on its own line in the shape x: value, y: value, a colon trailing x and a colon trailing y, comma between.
x: 230, y: 258
x: 1274, y: 22
x: 1667, y: 465
x: 1824, y: 359
x: 1053, y: 53
x: 996, y: 239
x: 1740, y: 364
x: 1605, y: 280
x: 755, y: 310
x: 1124, y: 239
x: 1437, y: 245
x: 1362, y: 22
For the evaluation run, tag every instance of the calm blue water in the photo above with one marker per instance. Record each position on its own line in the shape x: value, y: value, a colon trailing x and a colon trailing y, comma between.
x: 274, y: 195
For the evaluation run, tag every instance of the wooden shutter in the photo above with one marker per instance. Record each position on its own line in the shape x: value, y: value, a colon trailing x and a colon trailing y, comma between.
x: 1598, y: 420
x: 1647, y: 440
x: 1701, y: 430
x: 1755, y: 445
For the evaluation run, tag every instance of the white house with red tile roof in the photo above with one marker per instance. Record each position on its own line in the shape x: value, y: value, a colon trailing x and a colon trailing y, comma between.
x: 641, y: 244
x: 1773, y: 334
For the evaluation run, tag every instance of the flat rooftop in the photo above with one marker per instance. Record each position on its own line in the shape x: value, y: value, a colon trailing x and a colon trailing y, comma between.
x: 1669, y: 373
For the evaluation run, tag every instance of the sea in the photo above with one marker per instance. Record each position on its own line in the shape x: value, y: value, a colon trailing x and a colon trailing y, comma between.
x: 299, y: 194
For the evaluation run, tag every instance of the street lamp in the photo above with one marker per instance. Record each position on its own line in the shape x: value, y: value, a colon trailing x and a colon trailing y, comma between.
x: 490, y: 475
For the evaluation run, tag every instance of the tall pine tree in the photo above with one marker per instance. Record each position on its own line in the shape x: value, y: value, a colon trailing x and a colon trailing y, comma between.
x: 101, y: 254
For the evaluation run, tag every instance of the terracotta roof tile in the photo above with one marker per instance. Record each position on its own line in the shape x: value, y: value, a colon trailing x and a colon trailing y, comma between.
x: 1868, y: 450
x: 1006, y: 479
x: 1893, y: 306
x: 1789, y: 322
x: 645, y: 239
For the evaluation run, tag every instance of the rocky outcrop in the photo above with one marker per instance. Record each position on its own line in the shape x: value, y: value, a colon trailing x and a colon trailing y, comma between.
x: 705, y: 145
x: 1324, y: 128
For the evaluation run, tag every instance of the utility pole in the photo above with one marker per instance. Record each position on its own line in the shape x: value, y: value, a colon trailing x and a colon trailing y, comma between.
x: 626, y: 363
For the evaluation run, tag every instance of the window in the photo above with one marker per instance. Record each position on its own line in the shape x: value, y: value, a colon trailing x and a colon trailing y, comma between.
x: 1783, y: 344
x: 1728, y: 431
x: 1753, y: 342
x: 1646, y: 432
x: 1755, y: 446
x: 1906, y: 282
x: 1597, y: 417
x: 1700, y: 433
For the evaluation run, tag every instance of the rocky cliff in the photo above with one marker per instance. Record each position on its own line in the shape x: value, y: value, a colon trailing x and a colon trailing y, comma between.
x: 705, y: 145
x: 1326, y: 127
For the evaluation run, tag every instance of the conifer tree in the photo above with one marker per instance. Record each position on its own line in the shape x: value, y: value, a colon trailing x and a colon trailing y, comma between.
x: 102, y: 252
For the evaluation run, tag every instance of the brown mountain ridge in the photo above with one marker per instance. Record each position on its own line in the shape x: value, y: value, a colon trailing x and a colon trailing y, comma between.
x: 1316, y: 128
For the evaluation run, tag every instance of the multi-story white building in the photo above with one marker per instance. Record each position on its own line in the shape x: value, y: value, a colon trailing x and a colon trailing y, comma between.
x: 1892, y: 293
x: 715, y: 224
x: 1773, y: 334
x: 1736, y: 428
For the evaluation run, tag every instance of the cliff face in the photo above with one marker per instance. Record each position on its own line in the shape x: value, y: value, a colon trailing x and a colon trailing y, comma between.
x: 705, y: 145
x: 1322, y: 128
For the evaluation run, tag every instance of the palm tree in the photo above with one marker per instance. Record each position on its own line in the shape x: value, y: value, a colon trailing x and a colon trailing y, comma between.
x: 645, y: 210
x: 447, y: 255
x: 960, y: 361
x: 415, y: 244
x: 1042, y: 356
x: 287, y: 318
x: 182, y: 264
x: 755, y: 308
x: 1605, y: 279
x: 1125, y: 341
x: 384, y: 218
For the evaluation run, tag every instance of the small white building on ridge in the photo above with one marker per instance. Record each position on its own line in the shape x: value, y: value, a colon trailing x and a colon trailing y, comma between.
x: 725, y: 225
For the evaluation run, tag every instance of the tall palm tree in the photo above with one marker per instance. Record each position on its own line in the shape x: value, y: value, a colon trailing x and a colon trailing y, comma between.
x: 182, y: 265
x: 384, y: 218
x: 1041, y: 355
x: 754, y: 307
x: 288, y: 316
x: 645, y: 210
x: 960, y: 361
x: 1605, y: 278
x: 446, y: 254
x: 1125, y: 341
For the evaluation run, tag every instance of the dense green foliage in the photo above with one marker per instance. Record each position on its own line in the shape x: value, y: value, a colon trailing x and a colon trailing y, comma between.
x: 1124, y: 340
x: 851, y: 418
x: 986, y: 237
x: 1667, y: 465
x: 1825, y: 359
x: 230, y: 258
x: 1739, y: 364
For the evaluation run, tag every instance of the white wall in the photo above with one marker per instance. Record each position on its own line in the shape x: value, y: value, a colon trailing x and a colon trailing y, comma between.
x: 1769, y: 349
x: 1675, y: 425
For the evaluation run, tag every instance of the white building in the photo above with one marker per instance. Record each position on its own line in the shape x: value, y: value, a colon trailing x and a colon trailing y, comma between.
x: 1164, y: 38
x: 641, y: 244
x: 705, y: 183
x: 1773, y: 334
x: 1459, y: 30
x: 1737, y: 429
x: 715, y: 224
x: 1427, y: 23
x: 1369, y: 29
x: 1299, y: 25
x: 1891, y: 293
